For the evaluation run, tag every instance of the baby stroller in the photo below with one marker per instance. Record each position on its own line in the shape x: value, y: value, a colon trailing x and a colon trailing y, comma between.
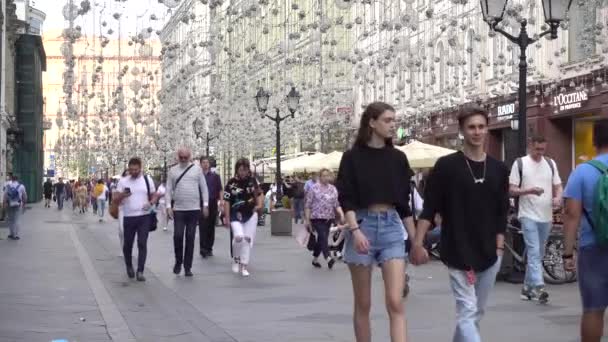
x: 336, y: 242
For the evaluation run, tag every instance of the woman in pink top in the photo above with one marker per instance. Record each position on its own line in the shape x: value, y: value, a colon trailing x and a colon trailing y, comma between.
x: 321, y: 208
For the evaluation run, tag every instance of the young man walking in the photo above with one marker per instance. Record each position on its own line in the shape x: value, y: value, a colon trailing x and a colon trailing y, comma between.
x: 535, y: 180
x: 135, y: 194
x: 186, y: 192
x: 470, y: 190
x: 15, y: 198
x: 60, y: 193
x: 206, y: 225
x: 585, y: 192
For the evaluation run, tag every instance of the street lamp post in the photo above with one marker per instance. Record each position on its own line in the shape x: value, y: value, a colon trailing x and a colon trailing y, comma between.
x: 555, y: 12
x: 293, y: 102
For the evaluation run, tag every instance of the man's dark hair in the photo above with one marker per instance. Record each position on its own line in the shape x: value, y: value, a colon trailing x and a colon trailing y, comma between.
x: 538, y: 139
x: 600, y: 133
x: 468, y: 112
x: 100, y: 181
x: 135, y: 161
x: 204, y: 158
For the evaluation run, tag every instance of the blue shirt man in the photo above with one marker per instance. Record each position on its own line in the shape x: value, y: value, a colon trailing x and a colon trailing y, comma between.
x: 592, y: 258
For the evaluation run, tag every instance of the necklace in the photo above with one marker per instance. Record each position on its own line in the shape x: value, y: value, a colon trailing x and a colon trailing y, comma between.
x: 475, y: 179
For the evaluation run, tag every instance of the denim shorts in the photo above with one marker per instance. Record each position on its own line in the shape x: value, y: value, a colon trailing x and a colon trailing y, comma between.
x: 385, y: 233
x: 593, y: 277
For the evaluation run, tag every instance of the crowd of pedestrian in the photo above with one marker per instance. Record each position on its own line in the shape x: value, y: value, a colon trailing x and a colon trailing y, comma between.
x: 378, y: 216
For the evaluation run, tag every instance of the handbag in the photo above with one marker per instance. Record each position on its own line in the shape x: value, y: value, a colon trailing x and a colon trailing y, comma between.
x: 153, y: 218
x: 312, y: 242
x: 113, y: 209
x: 177, y: 181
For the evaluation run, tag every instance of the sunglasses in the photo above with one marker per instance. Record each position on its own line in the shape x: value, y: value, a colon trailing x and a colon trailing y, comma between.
x: 183, y: 158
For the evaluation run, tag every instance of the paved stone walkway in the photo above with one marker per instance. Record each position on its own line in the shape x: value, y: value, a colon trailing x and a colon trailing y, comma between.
x: 68, y: 266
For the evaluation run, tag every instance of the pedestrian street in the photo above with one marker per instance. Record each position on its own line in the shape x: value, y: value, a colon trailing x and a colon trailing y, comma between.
x: 65, y: 279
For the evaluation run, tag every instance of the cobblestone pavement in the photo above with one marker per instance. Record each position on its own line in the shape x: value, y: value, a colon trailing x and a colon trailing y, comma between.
x: 65, y: 280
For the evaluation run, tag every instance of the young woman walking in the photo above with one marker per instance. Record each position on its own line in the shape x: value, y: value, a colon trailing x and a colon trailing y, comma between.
x: 242, y: 203
x: 376, y: 202
x: 321, y: 206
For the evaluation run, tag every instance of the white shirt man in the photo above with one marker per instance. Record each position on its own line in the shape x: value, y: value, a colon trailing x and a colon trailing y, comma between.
x: 137, y: 194
x: 535, y: 180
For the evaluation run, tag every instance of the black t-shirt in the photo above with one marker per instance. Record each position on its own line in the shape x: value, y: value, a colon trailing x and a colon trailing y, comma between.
x: 48, y: 188
x: 241, y: 194
x: 472, y: 212
x: 59, y: 188
x: 370, y: 176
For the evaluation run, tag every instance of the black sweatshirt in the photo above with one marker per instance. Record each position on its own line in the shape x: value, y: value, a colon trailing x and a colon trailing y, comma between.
x: 472, y: 213
x: 370, y: 176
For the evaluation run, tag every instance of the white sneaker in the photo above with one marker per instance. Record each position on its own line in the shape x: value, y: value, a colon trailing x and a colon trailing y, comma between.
x: 244, y: 272
x: 235, y: 266
x: 165, y: 228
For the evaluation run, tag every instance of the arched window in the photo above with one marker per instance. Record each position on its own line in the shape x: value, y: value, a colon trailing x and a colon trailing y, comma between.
x: 472, y: 61
x: 442, y: 67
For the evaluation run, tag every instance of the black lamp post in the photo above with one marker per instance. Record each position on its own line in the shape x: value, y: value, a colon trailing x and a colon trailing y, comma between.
x: 293, y: 102
x: 555, y: 12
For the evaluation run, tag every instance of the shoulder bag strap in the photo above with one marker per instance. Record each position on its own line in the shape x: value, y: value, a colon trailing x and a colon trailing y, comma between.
x: 603, y: 169
x: 550, y: 162
x: 520, y: 169
x: 182, y: 176
x: 147, y: 186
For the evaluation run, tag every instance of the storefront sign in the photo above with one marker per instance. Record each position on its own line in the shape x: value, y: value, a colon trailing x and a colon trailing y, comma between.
x: 505, y: 111
x: 570, y: 101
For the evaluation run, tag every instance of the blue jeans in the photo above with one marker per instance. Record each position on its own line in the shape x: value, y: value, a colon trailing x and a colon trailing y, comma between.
x: 298, y: 208
x: 385, y: 233
x: 14, y: 220
x: 535, y: 237
x: 471, y: 301
x: 60, y: 198
x: 101, y: 207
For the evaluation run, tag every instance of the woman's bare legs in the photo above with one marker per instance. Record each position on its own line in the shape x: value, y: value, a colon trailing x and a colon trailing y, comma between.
x: 394, y: 282
x: 361, y: 277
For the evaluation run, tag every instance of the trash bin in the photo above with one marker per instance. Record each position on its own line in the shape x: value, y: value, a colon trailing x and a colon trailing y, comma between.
x: 280, y: 222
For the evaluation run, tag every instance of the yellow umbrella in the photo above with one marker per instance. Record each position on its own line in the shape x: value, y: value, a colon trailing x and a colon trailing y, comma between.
x: 422, y: 156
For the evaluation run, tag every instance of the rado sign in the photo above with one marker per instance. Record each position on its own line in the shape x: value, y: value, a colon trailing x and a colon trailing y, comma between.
x: 570, y: 101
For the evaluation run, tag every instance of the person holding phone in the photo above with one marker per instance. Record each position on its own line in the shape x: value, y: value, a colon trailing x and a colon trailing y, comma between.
x: 535, y: 181
x: 136, y: 196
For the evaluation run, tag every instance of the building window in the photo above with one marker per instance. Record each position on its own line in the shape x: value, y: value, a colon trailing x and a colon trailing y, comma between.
x: 581, y: 35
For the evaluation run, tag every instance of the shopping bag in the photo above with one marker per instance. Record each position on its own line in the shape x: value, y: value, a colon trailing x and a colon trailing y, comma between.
x: 302, y: 235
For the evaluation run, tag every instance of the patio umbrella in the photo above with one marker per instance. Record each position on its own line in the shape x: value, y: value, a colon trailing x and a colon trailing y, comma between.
x: 422, y: 156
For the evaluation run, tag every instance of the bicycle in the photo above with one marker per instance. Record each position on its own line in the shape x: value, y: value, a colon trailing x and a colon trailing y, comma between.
x: 553, y: 265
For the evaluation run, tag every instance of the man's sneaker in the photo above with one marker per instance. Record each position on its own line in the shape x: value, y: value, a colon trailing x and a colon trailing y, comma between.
x: 235, y: 266
x: 543, y: 295
x: 244, y: 272
x: 534, y: 294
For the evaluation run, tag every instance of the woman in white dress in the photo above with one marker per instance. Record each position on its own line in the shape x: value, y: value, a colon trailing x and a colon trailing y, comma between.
x: 161, y: 212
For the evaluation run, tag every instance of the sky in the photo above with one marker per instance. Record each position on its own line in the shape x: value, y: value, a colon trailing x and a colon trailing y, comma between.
x: 135, y: 15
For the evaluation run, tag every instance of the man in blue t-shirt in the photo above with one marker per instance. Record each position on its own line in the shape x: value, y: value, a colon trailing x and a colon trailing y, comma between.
x: 592, y: 258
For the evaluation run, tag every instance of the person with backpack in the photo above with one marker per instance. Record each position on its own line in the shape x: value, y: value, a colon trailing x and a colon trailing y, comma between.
x: 586, y: 207
x: 15, y: 197
x: 534, y: 180
x: 136, y: 196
